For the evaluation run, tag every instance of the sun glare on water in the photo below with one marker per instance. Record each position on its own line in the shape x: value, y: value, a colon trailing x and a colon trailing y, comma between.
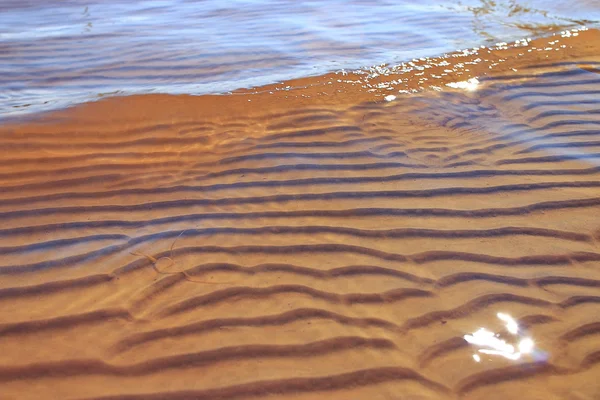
x: 490, y: 343
x: 469, y: 85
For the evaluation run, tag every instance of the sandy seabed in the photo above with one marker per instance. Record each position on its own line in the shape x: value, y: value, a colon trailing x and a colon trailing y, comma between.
x: 319, y: 243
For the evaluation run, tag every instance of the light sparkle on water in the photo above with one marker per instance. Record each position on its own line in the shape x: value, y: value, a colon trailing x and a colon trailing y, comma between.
x: 490, y: 343
x: 469, y: 85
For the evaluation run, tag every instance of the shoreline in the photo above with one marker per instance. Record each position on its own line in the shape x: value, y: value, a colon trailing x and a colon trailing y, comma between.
x: 412, y: 77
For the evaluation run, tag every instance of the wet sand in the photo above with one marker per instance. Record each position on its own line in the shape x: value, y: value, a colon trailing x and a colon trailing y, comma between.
x: 310, y: 243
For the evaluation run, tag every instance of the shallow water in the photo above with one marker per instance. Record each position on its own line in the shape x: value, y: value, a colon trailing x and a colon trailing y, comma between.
x: 426, y: 230
x: 54, y: 55
x: 339, y: 249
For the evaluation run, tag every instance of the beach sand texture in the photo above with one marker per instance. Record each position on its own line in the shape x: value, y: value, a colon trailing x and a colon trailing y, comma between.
x: 303, y: 246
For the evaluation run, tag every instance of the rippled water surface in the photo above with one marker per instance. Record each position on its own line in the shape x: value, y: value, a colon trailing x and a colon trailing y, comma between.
x: 52, y: 55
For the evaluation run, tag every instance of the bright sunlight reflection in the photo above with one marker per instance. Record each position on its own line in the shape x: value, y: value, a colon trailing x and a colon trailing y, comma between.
x: 490, y: 343
x: 469, y: 85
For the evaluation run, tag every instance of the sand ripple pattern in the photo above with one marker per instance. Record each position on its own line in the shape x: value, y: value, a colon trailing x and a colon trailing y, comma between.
x: 318, y: 253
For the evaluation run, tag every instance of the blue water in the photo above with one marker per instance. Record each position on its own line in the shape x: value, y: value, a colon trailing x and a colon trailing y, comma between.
x: 57, y: 55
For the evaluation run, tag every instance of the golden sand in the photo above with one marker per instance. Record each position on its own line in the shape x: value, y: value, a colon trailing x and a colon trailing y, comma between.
x: 311, y: 243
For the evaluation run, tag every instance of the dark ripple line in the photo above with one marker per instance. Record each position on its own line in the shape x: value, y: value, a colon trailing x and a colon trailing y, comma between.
x: 513, y: 372
x: 121, y: 167
x: 346, y: 213
x: 319, y: 156
x: 64, y: 182
x: 320, y: 144
x: 55, y: 286
x: 301, y: 182
x: 586, y: 93
x: 568, y: 122
x: 246, y: 292
x: 555, y: 84
x: 52, y: 244
x: 280, y: 168
x: 584, y: 330
x: 471, y: 306
x: 63, y: 322
x: 532, y: 134
x: 423, y: 257
x: 427, y: 193
x: 329, y: 383
x: 295, y: 315
x: 546, y: 159
x: 559, y: 146
x: 311, y: 229
x: 555, y: 113
x: 69, y: 368
x: 537, y: 104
